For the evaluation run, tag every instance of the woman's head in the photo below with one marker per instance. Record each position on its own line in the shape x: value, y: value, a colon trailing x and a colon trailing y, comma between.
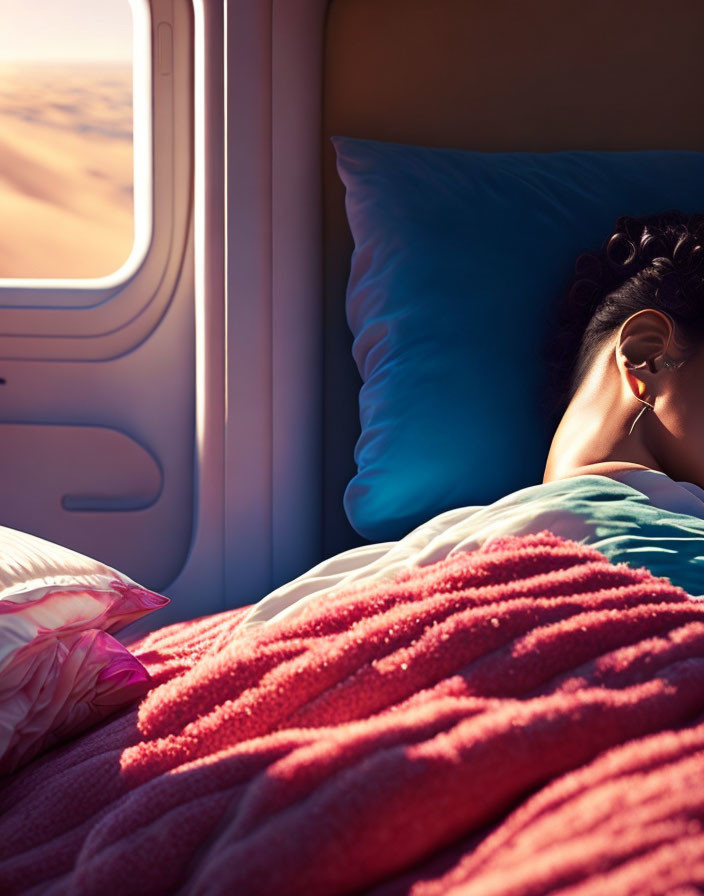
x: 655, y: 261
x: 631, y: 335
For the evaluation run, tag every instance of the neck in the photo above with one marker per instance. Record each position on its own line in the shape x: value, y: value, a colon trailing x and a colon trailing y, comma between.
x: 593, y: 435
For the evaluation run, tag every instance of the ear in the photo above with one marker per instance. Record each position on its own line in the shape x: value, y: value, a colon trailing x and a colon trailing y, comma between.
x: 645, y: 336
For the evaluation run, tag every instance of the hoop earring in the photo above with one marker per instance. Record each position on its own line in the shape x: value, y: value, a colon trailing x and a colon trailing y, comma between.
x: 642, y: 411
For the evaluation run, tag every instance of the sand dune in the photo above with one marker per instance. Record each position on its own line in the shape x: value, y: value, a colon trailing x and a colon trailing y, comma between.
x: 66, y: 205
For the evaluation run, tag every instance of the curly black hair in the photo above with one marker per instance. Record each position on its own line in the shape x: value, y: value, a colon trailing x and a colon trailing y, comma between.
x: 654, y: 261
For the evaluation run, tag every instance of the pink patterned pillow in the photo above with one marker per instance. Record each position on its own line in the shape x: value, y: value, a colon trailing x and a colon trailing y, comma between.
x: 60, y: 671
x: 60, y: 684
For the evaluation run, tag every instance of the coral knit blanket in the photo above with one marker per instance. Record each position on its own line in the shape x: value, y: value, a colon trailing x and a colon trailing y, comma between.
x: 527, y: 718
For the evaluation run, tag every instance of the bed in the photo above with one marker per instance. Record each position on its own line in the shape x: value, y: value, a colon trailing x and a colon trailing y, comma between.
x: 499, y: 691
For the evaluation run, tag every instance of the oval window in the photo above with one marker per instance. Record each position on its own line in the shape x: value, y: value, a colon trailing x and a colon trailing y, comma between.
x: 66, y: 139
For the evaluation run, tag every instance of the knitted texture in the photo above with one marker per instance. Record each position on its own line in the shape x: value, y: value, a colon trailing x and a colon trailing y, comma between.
x: 527, y: 718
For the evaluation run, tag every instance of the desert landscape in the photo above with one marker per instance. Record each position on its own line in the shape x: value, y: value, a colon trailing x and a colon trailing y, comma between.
x: 66, y: 169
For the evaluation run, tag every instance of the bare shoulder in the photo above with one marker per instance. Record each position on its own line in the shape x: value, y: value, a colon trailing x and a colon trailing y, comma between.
x: 605, y: 468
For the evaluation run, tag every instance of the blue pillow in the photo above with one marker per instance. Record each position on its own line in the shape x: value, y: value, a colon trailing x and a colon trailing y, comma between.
x: 460, y: 261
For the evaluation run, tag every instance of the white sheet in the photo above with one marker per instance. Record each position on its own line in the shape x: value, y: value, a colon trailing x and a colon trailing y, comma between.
x: 466, y: 528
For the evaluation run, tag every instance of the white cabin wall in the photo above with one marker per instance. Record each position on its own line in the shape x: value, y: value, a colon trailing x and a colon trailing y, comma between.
x: 258, y: 295
x: 274, y: 294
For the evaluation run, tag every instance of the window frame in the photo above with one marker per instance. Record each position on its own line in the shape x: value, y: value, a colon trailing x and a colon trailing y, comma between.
x: 100, y: 318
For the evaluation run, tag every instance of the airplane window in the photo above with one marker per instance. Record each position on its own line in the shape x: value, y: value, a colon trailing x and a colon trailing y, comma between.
x: 66, y: 138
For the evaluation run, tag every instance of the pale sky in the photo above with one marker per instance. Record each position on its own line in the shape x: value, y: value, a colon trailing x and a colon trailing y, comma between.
x: 65, y: 31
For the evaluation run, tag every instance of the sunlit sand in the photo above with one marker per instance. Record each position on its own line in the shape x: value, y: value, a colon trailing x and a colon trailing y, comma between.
x: 65, y: 170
